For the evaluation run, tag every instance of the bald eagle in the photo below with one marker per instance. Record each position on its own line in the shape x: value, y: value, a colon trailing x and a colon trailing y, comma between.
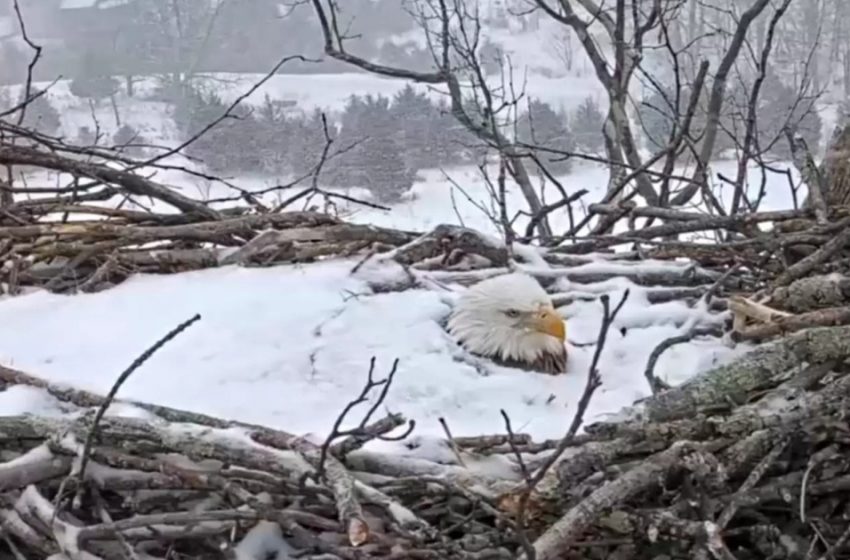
x: 510, y: 319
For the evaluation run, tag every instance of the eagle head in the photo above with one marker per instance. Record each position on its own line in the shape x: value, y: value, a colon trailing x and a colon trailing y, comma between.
x: 511, y: 320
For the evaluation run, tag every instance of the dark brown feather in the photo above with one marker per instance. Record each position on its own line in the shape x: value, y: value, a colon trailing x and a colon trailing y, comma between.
x: 552, y: 364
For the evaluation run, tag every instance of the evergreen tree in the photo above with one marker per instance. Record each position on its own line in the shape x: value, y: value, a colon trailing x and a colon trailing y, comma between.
x: 93, y: 80
x: 40, y: 115
x: 277, y: 134
x: 378, y: 161
x: 586, y: 124
x: 451, y: 141
x: 308, y: 140
x: 232, y: 146
x: 129, y: 141
x: 388, y: 176
x: 544, y: 127
x: 418, y: 120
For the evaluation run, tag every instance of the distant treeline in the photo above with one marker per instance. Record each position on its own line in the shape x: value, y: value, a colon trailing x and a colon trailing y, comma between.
x: 379, y: 143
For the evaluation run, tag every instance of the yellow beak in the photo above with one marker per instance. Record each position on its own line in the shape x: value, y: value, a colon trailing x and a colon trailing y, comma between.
x: 547, y: 321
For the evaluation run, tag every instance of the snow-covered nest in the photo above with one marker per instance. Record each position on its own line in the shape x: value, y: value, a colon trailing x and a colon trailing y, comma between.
x: 289, y: 346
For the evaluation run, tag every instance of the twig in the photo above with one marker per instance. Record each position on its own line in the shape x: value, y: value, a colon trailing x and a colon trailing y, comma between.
x: 822, y: 255
x: 754, y: 477
x: 337, y: 432
x: 832, y: 316
x: 451, y: 441
x: 105, y: 517
x: 137, y: 363
x: 526, y: 476
x: 838, y: 545
x: 375, y: 430
x: 657, y: 385
x: 565, y: 531
x: 594, y: 381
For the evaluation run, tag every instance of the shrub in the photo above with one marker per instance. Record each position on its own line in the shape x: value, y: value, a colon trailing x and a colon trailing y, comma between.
x: 129, y: 141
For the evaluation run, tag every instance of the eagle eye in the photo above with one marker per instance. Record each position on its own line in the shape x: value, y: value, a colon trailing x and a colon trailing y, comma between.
x: 512, y: 313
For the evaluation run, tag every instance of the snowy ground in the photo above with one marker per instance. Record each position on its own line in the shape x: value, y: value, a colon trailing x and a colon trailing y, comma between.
x: 290, y: 346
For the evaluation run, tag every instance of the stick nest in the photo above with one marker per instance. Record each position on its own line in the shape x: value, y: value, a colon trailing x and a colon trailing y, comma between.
x: 745, y: 461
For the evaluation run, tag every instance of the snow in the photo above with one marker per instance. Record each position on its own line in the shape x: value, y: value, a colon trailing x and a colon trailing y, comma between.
x: 34, y: 455
x: 290, y: 346
x: 264, y: 540
x: 21, y: 399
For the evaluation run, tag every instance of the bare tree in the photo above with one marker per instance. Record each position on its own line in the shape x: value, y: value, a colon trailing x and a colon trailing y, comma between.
x: 619, y: 40
x: 453, y: 32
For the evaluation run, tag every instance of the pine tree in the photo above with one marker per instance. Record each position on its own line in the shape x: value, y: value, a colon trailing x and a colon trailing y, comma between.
x: 417, y: 119
x: 41, y: 115
x: 542, y: 126
x: 308, y: 140
x: 129, y: 141
x: 450, y: 140
x: 586, y: 125
x: 93, y: 81
x: 388, y: 178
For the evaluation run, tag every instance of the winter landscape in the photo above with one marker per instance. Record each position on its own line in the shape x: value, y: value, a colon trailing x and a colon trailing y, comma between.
x: 236, y: 237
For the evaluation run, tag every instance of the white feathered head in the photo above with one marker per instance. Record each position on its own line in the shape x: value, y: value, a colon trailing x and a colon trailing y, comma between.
x: 510, y: 319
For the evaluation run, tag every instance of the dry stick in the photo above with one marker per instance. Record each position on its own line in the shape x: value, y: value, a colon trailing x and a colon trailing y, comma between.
x: 835, y: 316
x: 822, y: 255
x: 718, y: 284
x: 130, y: 182
x: 691, y: 226
x: 755, y: 476
x: 655, y: 384
x: 106, y: 530
x: 566, y: 530
x: 274, y: 438
x: 512, y: 438
x: 805, y: 163
x: 375, y: 430
x: 120, y: 381
x: 37, y: 50
x: 451, y: 441
x: 839, y: 544
x: 336, y: 432
x: 594, y: 381
x: 105, y: 517
x: 16, y: 552
x: 526, y: 476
